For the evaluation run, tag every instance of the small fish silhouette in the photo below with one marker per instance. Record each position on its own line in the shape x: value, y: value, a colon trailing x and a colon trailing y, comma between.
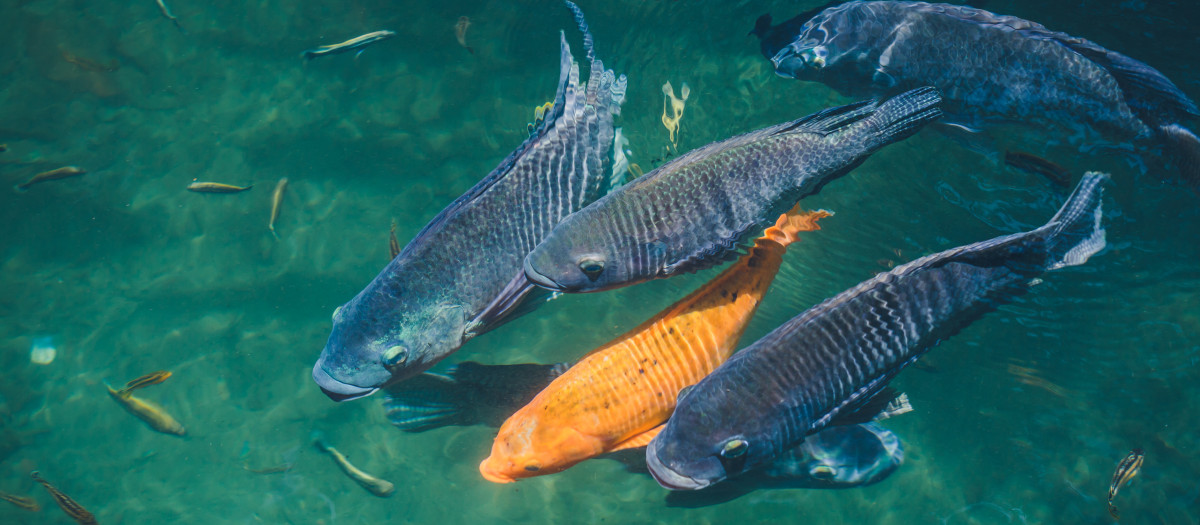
x: 460, y: 32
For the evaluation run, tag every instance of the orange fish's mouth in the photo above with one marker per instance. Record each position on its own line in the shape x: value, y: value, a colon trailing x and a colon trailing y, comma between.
x: 492, y: 475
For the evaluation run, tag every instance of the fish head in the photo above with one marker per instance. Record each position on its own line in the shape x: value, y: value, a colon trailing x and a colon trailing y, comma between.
x: 373, y: 343
x: 841, y: 41
x: 526, y: 446
x: 576, y: 258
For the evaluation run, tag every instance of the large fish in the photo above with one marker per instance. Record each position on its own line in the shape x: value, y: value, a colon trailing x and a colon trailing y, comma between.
x: 696, y: 211
x: 619, y: 395
x: 990, y: 68
x: 461, y: 275
x: 469, y: 393
x: 830, y: 365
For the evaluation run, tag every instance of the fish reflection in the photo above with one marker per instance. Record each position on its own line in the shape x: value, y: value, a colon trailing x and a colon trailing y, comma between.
x: 23, y: 502
x: 1126, y: 470
x: 68, y: 505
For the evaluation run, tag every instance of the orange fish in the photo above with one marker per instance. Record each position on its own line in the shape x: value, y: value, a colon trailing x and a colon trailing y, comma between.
x: 619, y: 395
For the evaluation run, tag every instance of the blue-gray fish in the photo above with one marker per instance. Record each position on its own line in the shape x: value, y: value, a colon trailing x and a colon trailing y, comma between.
x: 990, y: 68
x: 357, y: 44
x: 699, y: 209
x: 461, y: 275
x: 830, y: 365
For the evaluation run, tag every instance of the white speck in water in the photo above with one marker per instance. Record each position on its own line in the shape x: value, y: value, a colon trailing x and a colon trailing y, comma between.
x: 43, y: 350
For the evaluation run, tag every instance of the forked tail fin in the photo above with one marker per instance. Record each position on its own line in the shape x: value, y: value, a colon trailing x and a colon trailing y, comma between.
x: 1075, y: 232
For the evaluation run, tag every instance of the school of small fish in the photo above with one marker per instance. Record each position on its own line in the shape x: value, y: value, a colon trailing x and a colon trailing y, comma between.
x: 798, y: 408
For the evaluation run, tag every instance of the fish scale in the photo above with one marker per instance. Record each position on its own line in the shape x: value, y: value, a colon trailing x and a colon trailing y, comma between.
x: 461, y: 275
x: 619, y: 394
x: 831, y: 361
x: 698, y: 210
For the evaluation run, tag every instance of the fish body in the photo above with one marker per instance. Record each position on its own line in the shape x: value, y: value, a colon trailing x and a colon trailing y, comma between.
x: 470, y: 393
x: 357, y: 44
x: 68, y: 505
x: 461, y: 275
x: 1126, y: 470
x: 216, y: 187
x: 23, y: 502
x: 153, y: 378
x: 619, y: 395
x: 393, y: 243
x: 830, y: 365
x: 990, y: 68
x: 379, y: 487
x: 55, y: 174
x: 696, y: 211
x: 147, y: 411
x: 166, y: 12
x: 460, y: 33
x: 276, y: 203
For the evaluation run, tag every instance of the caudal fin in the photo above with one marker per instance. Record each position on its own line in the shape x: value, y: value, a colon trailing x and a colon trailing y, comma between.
x: 1186, y: 148
x: 793, y: 222
x: 903, y: 115
x: 1074, y: 232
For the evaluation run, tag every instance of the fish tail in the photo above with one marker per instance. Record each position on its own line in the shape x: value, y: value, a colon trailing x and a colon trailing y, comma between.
x: 1075, y: 232
x: 903, y: 115
x: 308, y: 55
x: 793, y: 222
x: 583, y: 28
x: 426, y: 402
x: 1186, y: 148
x: 318, y: 439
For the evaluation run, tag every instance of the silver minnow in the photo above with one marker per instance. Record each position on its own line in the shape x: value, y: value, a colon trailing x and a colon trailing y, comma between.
x: 461, y: 275
x: 358, y: 44
x: 697, y: 210
x: 830, y: 365
x: 991, y: 69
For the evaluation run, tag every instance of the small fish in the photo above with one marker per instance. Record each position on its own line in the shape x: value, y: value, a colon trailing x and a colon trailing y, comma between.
x: 88, y: 64
x: 1126, y: 470
x: 277, y: 469
x: 671, y: 117
x: 393, y: 244
x: 28, y: 504
x: 696, y: 211
x: 358, y: 44
x: 55, y: 174
x: 152, y: 378
x: 166, y: 12
x: 460, y: 32
x: 216, y: 187
x: 374, y: 485
x: 470, y: 393
x: 276, y: 202
x: 147, y: 411
x: 3, y: 148
x: 68, y: 505
x: 1036, y: 165
x: 619, y: 395
x: 831, y: 364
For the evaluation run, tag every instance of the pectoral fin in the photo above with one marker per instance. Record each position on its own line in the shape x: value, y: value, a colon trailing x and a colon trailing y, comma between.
x: 639, y: 440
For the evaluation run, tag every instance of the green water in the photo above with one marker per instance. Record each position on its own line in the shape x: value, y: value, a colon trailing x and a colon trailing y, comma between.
x: 1021, y: 418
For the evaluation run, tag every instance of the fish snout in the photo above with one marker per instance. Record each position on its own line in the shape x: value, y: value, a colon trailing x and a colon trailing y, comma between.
x: 668, y: 477
x: 490, y: 472
x: 539, y: 278
x: 337, y: 390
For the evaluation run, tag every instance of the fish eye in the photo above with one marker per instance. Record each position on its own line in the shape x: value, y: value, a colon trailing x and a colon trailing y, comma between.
x: 734, y: 448
x: 591, y: 267
x: 532, y: 468
x: 395, y: 356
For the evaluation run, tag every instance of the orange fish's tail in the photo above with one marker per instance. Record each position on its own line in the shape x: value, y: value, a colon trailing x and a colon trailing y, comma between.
x: 793, y: 222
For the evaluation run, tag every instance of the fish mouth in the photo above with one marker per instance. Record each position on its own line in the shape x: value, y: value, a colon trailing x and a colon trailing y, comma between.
x: 670, y: 479
x: 489, y: 474
x: 540, y: 279
x: 337, y: 390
